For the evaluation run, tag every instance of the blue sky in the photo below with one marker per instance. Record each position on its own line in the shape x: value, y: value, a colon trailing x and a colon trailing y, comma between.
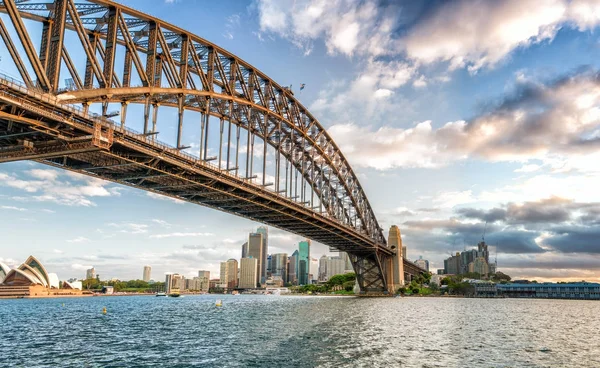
x: 452, y: 114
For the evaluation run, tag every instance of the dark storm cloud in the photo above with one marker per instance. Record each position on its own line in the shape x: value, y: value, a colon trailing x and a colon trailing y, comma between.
x: 575, y: 239
x: 455, y: 235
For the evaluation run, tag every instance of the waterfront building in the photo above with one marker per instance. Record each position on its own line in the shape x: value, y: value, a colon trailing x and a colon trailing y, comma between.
x: 453, y: 265
x: 302, y: 263
x: 204, y: 277
x: 147, y: 273
x: 313, y: 274
x: 423, y: 263
x: 279, y: 265
x: 255, y: 250
x: 466, y: 258
x: 229, y: 274
x: 274, y: 281
x: 90, y: 273
x: 32, y: 279
x: 248, y: 273
x: 174, y: 283
x: 245, y: 250
x: 214, y: 283
x: 335, y: 266
x: 480, y: 266
x: 265, y: 250
x: 292, y: 270
x: 322, y: 268
x: 547, y: 290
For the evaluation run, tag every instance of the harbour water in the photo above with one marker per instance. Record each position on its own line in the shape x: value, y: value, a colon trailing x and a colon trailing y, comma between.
x: 287, y: 331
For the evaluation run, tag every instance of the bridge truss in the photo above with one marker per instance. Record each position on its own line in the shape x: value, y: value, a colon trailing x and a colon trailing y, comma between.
x: 260, y: 153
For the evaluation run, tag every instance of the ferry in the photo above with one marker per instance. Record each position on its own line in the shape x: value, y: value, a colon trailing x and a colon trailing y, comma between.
x: 160, y: 293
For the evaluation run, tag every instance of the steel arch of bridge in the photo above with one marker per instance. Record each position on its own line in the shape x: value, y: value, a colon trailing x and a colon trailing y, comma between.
x: 133, y: 58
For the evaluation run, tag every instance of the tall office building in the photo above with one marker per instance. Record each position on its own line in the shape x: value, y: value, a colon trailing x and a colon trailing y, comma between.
x: 292, y: 270
x: 174, y: 283
x: 335, y: 266
x: 303, y: 262
x: 269, y: 265
x: 204, y: 277
x: 168, y: 280
x: 279, y: 265
x: 265, y: 250
x: 90, y: 274
x: 229, y: 273
x: 313, y: 271
x: 248, y: 273
x: 453, y: 265
x: 255, y: 250
x: 322, y: 268
x: 147, y: 273
x: 245, y: 250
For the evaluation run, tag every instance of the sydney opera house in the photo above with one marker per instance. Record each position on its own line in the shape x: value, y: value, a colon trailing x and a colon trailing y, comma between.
x: 31, y: 279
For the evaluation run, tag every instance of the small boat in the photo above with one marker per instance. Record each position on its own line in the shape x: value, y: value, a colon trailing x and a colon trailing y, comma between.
x: 174, y: 295
x: 218, y: 303
x: 161, y: 294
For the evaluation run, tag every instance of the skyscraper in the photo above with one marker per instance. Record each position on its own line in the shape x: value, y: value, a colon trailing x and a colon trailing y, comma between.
x: 335, y: 266
x: 322, y: 268
x: 90, y: 273
x: 204, y: 277
x: 245, y: 250
x: 292, y: 270
x: 248, y: 273
x: 279, y: 265
x: 347, y: 263
x: 147, y: 273
x: 303, y: 262
x: 255, y: 250
x: 313, y: 270
x: 265, y: 250
x: 229, y: 273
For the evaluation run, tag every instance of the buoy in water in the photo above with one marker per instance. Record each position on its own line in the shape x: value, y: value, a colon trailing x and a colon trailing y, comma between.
x: 218, y: 303
x: 104, y: 310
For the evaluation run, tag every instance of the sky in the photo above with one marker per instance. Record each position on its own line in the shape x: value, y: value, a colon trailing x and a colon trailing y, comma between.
x: 452, y: 114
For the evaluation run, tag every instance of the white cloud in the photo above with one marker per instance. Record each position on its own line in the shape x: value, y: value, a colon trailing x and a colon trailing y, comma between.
x: 79, y: 239
x: 80, y: 267
x: 73, y: 190
x: 162, y: 223
x: 13, y: 208
x: 178, y: 235
x: 130, y: 227
x: 57, y: 251
x: 558, y: 124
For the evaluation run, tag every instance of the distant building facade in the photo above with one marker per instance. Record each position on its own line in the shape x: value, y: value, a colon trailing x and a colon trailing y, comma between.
x: 279, y: 265
x: 303, y: 262
x: 248, y: 273
x: 147, y: 273
x: 255, y: 250
x: 90, y: 273
x: 423, y: 263
x: 229, y: 274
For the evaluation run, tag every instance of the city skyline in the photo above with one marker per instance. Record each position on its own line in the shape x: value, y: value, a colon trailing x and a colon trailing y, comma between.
x: 496, y: 132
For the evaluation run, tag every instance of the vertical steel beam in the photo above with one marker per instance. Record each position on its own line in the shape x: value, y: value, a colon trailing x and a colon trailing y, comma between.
x: 248, y: 151
x: 206, y: 126
x: 184, y: 60
x: 264, y: 166
x: 56, y: 43
x: 38, y: 68
x: 123, y: 114
x: 111, y: 45
x: 151, y: 54
x: 154, y: 119
x: 237, y: 150
x: 88, y: 80
x: 180, y: 111
x: 220, y: 142
x: 132, y: 53
x: 278, y: 157
x: 228, y: 142
x: 202, y: 123
x: 46, y: 32
x: 146, y: 113
x: 127, y: 69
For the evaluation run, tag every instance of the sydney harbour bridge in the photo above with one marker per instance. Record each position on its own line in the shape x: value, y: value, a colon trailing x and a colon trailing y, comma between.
x: 97, y: 82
